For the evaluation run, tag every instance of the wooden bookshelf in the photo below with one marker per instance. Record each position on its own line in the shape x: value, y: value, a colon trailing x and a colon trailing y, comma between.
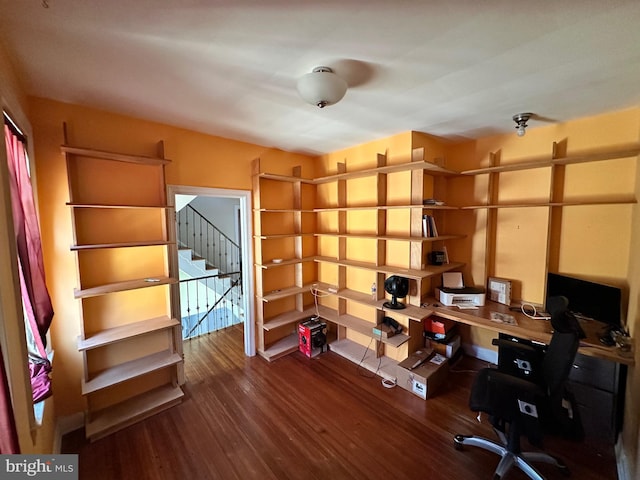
x: 130, y: 370
x: 99, y: 246
x: 114, y: 418
x: 127, y: 331
x: 142, y: 180
x: 123, y: 286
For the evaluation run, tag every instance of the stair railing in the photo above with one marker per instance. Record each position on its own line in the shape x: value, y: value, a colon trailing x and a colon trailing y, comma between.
x: 207, y: 241
x: 209, y: 304
x: 205, y: 309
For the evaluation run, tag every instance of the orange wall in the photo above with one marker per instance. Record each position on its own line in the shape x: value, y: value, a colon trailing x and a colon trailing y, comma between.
x: 585, y: 232
x: 600, y: 243
x: 579, y: 242
x: 197, y: 160
x: 202, y: 160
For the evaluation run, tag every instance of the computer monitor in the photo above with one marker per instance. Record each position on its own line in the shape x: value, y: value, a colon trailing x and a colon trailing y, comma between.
x: 587, y: 299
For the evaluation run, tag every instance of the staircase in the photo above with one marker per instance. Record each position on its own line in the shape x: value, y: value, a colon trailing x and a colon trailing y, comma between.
x: 210, y: 276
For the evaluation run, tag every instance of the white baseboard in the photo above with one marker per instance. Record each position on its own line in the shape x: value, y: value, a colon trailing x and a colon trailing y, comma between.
x: 66, y: 425
x: 622, y: 461
x: 485, y: 354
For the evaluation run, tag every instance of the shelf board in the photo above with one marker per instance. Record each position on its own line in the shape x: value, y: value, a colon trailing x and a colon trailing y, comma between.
x: 548, y: 161
x: 285, y: 178
x: 541, y: 162
x: 625, y: 152
x: 403, y: 272
x: 111, y: 205
x: 116, y: 334
x: 282, y: 210
x: 361, y: 326
x: 383, y: 366
x: 97, y: 246
x: 410, y: 312
x: 569, y: 203
x: 384, y: 207
x: 122, y: 286
x: 586, y: 202
x: 129, y: 370
x: 401, y: 238
x: 111, y: 419
x: 285, y: 293
x: 508, y: 205
x: 283, y: 235
x: 428, y: 167
x: 356, y: 296
x: 291, y: 261
x: 118, y: 157
x: 282, y: 347
x: 287, y: 318
x: 354, y: 323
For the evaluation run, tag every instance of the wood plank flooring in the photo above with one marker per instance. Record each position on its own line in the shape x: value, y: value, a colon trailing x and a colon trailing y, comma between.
x: 300, y: 418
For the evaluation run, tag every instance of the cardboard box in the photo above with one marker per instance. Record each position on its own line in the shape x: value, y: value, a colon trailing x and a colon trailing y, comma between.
x: 446, y: 349
x: 425, y: 379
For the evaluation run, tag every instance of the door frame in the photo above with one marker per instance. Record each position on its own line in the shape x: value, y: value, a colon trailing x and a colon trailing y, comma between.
x: 244, y: 196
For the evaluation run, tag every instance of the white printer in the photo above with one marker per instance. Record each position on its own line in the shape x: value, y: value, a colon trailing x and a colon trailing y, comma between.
x: 454, y: 293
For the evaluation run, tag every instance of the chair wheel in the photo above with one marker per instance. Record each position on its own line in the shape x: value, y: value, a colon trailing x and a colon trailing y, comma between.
x: 565, y: 470
x: 562, y: 467
x: 496, y: 476
x: 457, y: 442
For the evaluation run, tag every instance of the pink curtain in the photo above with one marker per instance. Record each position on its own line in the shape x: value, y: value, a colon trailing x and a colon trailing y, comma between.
x: 35, y: 297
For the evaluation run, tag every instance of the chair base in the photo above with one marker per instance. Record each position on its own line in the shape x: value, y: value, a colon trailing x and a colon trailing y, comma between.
x: 508, y: 458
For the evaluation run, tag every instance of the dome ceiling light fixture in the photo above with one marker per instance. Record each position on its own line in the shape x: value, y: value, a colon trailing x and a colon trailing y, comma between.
x: 521, y: 121
x: 321, y: 87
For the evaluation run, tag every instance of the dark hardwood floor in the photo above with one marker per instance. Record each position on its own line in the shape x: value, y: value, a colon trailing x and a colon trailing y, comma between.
x: 300, y: 418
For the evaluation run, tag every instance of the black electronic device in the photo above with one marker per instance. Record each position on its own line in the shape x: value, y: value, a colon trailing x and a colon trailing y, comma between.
x: 397, y: 287
x: 393, y: 324
x: 587, y: 299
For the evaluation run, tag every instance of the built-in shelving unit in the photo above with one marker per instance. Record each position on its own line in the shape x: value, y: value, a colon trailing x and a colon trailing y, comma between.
x: 338, y: 299
x: 283, y: 259
x: 277, y: 334
x: 555, y: 199
x: 555, y: 159
x: 130, y: 344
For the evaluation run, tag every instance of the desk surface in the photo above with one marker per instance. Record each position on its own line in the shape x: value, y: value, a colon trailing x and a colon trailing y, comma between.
x: 530, y: 329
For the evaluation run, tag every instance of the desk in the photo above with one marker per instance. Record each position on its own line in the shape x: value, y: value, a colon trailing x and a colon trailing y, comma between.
x: 598, y: 385
x: 530, y: 329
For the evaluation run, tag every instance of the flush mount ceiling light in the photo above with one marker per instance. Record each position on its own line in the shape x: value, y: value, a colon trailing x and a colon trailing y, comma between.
x: 521, y: 120
x: 321, y: 87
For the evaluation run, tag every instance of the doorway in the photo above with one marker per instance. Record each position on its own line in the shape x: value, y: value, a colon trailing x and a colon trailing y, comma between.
x: 243, y: 224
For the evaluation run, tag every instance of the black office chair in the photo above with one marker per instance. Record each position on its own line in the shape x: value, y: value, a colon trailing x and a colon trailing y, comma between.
x: 529, y: 404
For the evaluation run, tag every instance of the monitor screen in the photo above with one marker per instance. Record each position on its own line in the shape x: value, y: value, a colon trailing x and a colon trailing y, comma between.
x: 587, y: 299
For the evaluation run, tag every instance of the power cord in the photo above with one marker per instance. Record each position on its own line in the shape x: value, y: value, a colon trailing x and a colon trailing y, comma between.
x: 317, y: 294
x: 530, y: 311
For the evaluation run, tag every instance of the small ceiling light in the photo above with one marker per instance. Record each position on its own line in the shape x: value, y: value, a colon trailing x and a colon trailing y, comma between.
x: 521, y: 120
x: 321, y: 87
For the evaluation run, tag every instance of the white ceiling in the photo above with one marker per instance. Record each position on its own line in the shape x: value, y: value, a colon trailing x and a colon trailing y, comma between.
x: 456, y: 68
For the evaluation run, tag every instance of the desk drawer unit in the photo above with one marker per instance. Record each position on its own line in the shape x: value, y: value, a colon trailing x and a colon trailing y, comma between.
x: 598, y: 386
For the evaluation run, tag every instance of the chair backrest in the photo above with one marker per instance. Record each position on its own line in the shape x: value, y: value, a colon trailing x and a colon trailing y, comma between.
x: 563, y: 347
